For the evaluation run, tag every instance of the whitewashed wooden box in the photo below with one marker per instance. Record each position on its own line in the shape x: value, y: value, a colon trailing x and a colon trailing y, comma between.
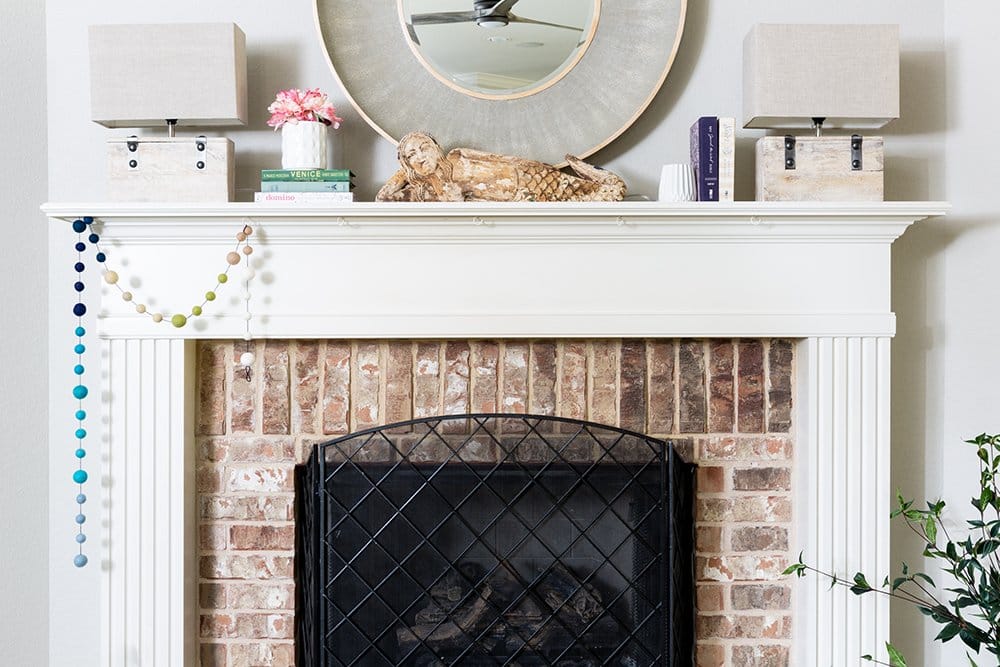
x: 158, y: 169
x: 823, y: 170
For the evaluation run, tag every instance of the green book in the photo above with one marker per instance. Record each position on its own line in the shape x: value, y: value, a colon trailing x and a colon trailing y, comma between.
x: 306, y: 175
x: 306, y: 186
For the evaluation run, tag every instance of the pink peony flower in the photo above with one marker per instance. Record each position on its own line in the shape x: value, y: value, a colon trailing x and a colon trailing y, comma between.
x: 293, y: 105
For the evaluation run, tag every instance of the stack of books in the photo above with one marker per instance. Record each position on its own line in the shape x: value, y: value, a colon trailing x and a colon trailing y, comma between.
x: 713, y: 156
x: 305, y: 186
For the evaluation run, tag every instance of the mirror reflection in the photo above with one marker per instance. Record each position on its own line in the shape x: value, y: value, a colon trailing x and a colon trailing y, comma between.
x: 499, y: 48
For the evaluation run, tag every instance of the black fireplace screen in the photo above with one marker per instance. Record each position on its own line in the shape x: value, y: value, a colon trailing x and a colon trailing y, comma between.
x: 495, y: 540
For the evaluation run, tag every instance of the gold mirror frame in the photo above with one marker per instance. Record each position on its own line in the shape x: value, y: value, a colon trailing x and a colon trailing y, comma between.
x: 594, y: 102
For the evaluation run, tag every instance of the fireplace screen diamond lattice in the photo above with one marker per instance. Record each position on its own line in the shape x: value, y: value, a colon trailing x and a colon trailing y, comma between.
x: 495, y: 540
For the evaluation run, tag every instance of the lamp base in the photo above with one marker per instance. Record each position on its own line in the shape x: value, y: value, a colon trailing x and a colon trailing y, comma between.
x: 825, y: 168
x: 159, y: 169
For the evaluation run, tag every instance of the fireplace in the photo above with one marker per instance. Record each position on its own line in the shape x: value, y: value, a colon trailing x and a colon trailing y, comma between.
x: 495, y: 539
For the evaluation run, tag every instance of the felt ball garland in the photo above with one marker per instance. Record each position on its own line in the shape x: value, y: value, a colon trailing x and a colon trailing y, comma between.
x: 80, y: 392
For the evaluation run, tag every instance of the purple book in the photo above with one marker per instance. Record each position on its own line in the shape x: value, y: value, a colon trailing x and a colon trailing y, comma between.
x: 705, y: 157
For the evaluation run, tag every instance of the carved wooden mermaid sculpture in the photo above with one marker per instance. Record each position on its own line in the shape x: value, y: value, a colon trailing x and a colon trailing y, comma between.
x: 464, y: 174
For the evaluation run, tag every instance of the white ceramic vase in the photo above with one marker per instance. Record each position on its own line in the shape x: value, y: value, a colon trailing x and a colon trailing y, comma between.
x: 677, y: 183
x: 304, y: 145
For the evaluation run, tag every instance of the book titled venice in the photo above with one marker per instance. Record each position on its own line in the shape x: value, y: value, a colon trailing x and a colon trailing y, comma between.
x: 306, y: 175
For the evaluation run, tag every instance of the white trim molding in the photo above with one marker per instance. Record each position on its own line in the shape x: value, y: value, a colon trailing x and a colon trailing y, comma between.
x: 814, y: 271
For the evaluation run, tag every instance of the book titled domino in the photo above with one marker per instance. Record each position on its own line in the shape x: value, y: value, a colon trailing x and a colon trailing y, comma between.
x: 304, y: 197
x: 705, y: 157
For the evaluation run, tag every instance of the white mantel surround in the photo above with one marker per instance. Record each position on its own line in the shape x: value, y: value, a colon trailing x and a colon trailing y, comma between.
x: 815, y: 271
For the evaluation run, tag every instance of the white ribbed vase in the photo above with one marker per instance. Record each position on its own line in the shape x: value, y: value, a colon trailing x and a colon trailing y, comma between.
x: 304, y: 145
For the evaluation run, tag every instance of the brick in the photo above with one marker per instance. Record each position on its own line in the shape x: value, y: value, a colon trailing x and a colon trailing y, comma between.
x: 760, y: 656
x: 456, y: 384
x: 336, y: 388
x: 720, y: 386
x: 691, y: 380
x: 243, y: 394
x: 260, y: 478
x: 761, y: 596
x: 763, y: 509
x: 276, y: 405
x: 739, y: 568
x: 213, y: 536
x: 213, y: 655
x: 751, y: 387
x: 762, y: 479
x: 573, y: 380
x: 708, y: 539
x: 711, y: 479
x: 515, y: 378
x: 632, y: 403
x: 212, y: 388
x: 730, y: 626
x: 710, y: 655
x: 213, y: 449
x: 246, y: 626
x: 305, y: 387
x: 399, y: 383
x: 262, y: 450
x: 218, y: 625
x: 361, y: 450
x: 365, y: 378
x: 661, y: 387
x: 262, y: 654
x: 542, y: 395
x: 746, y: 448
x: 604, y: 382
x: 247, y: 508
x: 262, y: 538
x: 212, y: 596
x: 427, y: 380
x: 279, y: 626
x: 759, y: 538
x: 710, y: 597
x: 208, y: 478
x: 243, y: 567
x: 261, y: 596
x: 484, y: 357
x: 779, y: 395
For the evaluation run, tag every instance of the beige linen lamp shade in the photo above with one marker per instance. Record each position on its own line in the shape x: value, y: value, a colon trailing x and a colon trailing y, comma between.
x: 846, y: 74
x: 143, y: 75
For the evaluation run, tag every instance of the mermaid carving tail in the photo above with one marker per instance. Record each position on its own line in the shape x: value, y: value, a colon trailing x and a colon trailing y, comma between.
x: 609, y: 186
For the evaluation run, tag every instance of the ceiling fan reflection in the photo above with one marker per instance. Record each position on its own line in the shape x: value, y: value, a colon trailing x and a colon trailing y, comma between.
x: 485, y: 14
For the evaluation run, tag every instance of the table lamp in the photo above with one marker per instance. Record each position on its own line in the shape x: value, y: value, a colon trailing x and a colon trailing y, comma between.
x: 169, y: 75
x: 821, y: 77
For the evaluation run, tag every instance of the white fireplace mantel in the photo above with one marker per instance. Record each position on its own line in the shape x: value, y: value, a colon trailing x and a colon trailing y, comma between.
x: 814, y: 271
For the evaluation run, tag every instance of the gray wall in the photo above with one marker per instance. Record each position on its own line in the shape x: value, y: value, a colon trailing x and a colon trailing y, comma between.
x: 942, y: 356
x: 23, y: 355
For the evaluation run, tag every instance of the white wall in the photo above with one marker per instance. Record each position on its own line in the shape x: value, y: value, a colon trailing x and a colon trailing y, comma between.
x: 284, y: 51
x: 23, y: 354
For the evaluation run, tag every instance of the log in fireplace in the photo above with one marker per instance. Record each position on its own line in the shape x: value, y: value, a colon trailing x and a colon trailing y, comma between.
x: 495, y: 539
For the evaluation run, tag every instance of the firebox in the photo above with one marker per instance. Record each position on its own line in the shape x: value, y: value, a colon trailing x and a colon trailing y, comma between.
x: 495, y: 539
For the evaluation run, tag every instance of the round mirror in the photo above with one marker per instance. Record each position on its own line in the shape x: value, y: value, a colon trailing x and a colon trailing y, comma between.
x: 576, y: 106
x: 499, y: 50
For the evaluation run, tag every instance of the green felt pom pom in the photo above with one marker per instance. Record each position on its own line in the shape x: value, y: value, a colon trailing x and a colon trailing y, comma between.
x: 178, y: 320
x: 196, y: 310
x: 223, y: 277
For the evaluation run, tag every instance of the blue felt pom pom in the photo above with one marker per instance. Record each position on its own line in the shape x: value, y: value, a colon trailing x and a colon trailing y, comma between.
x: 79, y: 267
x: 88, y: 219
x: 81, y: 498
x: 101, y: 257
x: 79, y: 226
x: 79, y: 309
x: 78, y: 286
x: 80, y: 538
x: 79, y: 560
x: 78, y: 369
x: 80, y: 453
x: 80, y: 518
x: 79, y: 348
x: 93, y: 238
x: 79, y: 331
x: 81, y: 433
x: 81, y: 414
x: 79, y: 476
x: 79, y: 391
x: 80, y: 247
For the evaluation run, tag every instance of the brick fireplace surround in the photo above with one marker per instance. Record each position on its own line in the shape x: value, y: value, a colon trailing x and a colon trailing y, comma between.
x: 757, y: 334
x: 728, y: 401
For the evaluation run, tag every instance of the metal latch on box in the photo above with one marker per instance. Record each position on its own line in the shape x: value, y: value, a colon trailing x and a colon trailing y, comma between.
x: 200, y: 147
x: 856, y: 142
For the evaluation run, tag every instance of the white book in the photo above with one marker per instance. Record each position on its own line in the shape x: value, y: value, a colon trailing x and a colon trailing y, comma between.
x: 303, y: 197
x: 727, y: 159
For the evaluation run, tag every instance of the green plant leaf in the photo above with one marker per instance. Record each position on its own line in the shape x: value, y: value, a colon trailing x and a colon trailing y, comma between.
x: 930, y: 528
x: 798, y: 569
x: 947, y: 632
x: 896, y: 658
